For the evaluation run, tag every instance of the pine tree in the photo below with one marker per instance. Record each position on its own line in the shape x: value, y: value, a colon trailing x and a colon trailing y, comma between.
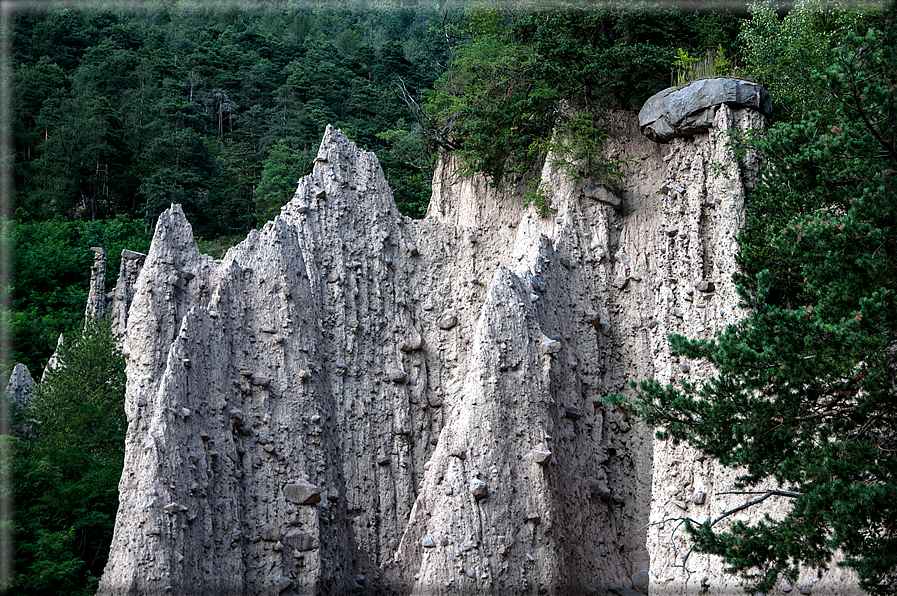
x: 67, y: 466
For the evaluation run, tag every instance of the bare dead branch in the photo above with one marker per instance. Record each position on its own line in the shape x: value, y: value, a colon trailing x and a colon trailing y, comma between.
x: 766, y: 495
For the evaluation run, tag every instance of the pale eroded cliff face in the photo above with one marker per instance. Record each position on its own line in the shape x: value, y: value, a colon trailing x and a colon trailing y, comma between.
x: 354, y: 401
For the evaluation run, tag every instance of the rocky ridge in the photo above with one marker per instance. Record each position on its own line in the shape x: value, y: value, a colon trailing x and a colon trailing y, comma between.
x: 352, y: 401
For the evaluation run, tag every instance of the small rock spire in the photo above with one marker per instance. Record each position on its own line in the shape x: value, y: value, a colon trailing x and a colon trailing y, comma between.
x: 96, y: 298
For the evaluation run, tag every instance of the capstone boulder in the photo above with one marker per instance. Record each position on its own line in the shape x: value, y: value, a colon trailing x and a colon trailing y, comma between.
x: 684, y: 112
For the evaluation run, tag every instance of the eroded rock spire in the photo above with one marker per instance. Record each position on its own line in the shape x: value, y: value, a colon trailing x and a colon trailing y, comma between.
x: 351, y: 401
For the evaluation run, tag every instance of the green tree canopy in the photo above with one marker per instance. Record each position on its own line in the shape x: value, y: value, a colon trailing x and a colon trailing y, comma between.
x: 520, y: 71
x: 122, y: 113
x: 782, y: 52
x: 67, y: 466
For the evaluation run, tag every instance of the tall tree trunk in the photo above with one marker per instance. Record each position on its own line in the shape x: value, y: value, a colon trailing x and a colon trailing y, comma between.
x: 93, y: 198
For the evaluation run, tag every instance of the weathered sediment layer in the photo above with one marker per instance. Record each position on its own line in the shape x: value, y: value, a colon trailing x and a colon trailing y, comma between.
x: 354, y: 401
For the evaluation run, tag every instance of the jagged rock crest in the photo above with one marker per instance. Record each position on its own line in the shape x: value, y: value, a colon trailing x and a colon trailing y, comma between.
x: 353, y: 401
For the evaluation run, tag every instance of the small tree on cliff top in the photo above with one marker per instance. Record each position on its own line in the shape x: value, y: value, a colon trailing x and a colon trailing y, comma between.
x: 805, y: 394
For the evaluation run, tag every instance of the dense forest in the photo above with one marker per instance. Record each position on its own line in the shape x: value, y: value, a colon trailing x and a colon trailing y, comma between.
x: 118, y: 113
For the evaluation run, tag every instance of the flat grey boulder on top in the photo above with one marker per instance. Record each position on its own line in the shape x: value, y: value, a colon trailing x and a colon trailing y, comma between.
x: 685, y: 112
